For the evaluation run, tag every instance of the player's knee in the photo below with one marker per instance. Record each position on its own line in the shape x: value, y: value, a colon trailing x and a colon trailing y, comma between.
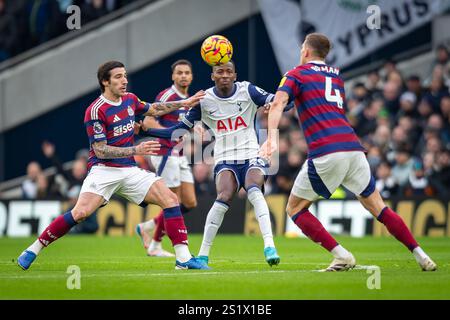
x: 294, y: 207
x: 289, y: 210
x: 225, y: 196
x: 190, y: 204
x: 80, y: 214
x: 169, y: 200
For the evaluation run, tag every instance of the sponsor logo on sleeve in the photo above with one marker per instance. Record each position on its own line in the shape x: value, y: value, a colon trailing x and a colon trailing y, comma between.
x: 98, y: 127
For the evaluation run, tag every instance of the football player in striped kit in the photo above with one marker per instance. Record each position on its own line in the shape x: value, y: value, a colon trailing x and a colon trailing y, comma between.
x: 335, y: 155
x: 109, y: 122
x: 169, y: 162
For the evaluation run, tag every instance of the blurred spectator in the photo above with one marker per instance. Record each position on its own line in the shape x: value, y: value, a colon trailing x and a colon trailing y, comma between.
x: 398, y: 138
x: 382, y: 137
x: 391, y: 93
x: 403, y: 165
x: 25, y: 24
x: 445, y: 108
x: 429, y: 163
x: 9, y: 33
x: 388, y: 67
x: 44, y: 20
x: 374, y: 157
x: 93, y: 10
x: 436, y: 122
x: 436, y: 92
x: 35, y: 185
x: 417, y: 184
x: 71, y: 182
x: 409, y: 125
x: 433, y: 145
x: 374, y: 85
x: 360, y: 99
x: 413, y: 85
x: 367, y: 120
x: 424, y: 109
x: 442, y: 56
x: 440, y: 177
x: 396, y: 78
x: 385, y: 182
x: 407, y: 106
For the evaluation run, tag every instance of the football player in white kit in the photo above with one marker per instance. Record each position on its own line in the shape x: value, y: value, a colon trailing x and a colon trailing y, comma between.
x: 229, y: 110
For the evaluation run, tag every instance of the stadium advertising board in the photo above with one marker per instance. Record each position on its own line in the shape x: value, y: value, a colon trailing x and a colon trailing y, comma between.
x: 425, y: 217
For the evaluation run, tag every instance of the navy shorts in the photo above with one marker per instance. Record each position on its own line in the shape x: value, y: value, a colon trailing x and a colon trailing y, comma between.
x: 240, y: 169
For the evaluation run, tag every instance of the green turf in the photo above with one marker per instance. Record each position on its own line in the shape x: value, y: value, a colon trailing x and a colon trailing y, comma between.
x: 117, y: 268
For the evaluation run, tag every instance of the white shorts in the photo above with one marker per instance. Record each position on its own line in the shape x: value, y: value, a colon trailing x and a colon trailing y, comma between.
x: 131, y: 183
x: 173, y: 170
x: 323, y: 175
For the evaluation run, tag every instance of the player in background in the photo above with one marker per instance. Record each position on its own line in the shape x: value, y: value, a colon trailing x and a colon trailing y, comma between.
x: 170, y: 163
x: 229, y: 110
x: 112, y: 169
x: 335, y: 155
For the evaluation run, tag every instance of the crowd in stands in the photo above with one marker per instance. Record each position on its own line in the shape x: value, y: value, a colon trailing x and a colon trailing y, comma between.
x: 25, y: 24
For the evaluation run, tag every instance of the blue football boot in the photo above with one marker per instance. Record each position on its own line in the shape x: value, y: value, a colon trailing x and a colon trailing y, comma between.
x: 203, y: 259
x: 192, y: 263
x: 272, y: 256
x: 26, y: 259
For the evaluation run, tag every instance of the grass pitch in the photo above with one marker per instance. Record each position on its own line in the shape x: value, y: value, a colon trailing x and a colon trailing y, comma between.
x: 117, y: 268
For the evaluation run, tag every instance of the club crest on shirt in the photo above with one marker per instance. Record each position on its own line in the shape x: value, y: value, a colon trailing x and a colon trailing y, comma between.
x: 239, y: 104
x: 130, y: 111
x: 98, y: 127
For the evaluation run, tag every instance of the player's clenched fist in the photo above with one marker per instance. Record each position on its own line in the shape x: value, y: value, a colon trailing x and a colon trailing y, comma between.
x: 148, y: 148
x: 267, y: 149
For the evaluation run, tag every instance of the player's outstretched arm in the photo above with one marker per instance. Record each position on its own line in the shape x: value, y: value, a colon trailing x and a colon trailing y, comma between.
x: 186, y: 123
x: 104, y: 151
x: 288, y: 107
x: 161, y: 108
x: 164, y: 133
x: 275, y: 113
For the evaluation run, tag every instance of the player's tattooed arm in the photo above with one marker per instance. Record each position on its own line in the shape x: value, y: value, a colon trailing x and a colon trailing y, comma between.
x: 158, y: 109
x: 161, y: 108
x: 104, y: 151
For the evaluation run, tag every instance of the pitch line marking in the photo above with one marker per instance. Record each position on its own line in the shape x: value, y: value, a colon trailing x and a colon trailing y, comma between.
x: 174, y: 274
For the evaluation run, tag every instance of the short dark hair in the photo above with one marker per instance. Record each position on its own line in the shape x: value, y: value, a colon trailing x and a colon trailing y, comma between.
x: 414, y: 77
x: 181, y: 62
x: 104, y: 72
x: 231, y: 61
x: 320, y: 44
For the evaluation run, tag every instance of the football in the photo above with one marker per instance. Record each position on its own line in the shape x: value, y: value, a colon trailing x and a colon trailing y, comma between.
x: 216, y: 50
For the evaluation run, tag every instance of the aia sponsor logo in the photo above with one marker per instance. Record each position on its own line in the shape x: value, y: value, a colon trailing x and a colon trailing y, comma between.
x: 120, y: 130
x: 230, y: 124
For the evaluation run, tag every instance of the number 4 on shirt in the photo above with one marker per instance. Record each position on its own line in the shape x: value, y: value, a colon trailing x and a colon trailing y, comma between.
x: 329, y: 94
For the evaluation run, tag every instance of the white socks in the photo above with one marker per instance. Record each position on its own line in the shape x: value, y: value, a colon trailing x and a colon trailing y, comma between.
x: 36, y: 247
x: 212, y: 224
x: 262, y: 213
x: 154, y: 245
x: 182, y: 252
x: 419, y: 254
x: 148, y: 226
x: 340, y: 252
